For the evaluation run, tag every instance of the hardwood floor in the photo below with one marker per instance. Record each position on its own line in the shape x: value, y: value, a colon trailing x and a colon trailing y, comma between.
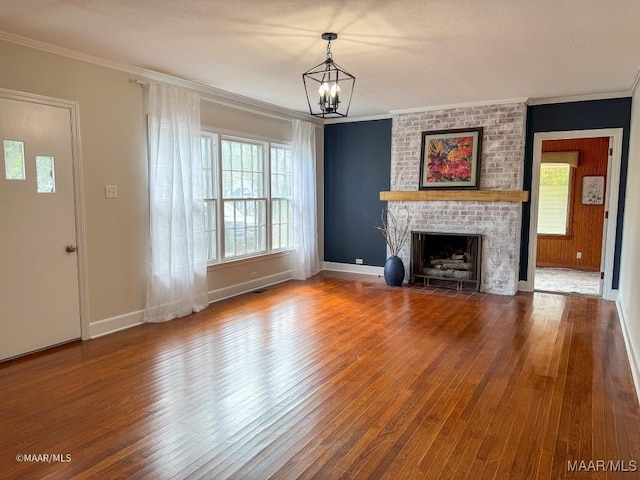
x: 336, y: 377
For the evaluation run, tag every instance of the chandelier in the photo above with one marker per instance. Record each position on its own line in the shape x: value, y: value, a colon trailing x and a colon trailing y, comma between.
x: 332, y: 83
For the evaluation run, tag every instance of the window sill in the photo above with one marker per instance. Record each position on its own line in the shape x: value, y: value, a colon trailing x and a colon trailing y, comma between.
x: 552, y: 236
x: 252, y: 259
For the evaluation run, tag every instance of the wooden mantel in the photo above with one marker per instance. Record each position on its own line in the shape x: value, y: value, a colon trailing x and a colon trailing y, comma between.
x: 459, y: 195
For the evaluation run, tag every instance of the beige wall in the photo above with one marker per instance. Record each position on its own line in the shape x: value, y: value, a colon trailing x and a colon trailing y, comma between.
x: 227, y: 118
x: 629, y: 300
x: 113, y: 151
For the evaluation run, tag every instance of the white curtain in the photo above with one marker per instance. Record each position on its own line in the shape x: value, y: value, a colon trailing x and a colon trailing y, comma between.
x: 177, y: 280
x: 305, y: 221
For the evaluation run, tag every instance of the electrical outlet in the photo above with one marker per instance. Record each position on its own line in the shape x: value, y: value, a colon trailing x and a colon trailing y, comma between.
x: 579, y: 255
x: 359, y: 261
x: 111, y: 191
x: 254, y: 274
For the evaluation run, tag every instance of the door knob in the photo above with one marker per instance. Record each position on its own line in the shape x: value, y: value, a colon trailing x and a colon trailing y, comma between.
x: 71, y: 248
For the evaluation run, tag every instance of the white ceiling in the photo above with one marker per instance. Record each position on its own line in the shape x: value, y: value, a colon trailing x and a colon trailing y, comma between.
x: 405, y: 54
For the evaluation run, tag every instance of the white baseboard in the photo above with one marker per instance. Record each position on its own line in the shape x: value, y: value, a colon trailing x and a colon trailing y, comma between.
x: 351, y: 268
x: 524, y: 286
x: 115, y: 324
x: 634, y: 363
x: 133, y: 319
x: 246, y: 287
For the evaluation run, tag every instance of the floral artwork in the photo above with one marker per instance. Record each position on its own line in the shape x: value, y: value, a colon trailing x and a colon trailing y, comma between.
x: 592, y: 190
x: 450, y: 159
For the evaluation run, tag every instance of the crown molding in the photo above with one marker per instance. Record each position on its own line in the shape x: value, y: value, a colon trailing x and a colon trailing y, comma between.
x: 579, y: 98
x: 366, y: 118
x: 460, y: 105
x: 65, y: 52
x: 207, y: 93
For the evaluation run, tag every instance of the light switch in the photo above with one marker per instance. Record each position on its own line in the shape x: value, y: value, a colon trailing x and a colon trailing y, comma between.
x: 111, y: 191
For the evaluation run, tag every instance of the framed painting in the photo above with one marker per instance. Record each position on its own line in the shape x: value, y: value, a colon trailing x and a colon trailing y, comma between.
x: 592, y: 190
x: 450, y: 159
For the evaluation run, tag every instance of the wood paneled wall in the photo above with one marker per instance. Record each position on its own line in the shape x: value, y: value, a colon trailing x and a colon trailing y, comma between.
x: 586, y: 221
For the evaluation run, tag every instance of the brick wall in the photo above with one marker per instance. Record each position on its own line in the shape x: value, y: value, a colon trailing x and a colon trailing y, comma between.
x: 502, y: 165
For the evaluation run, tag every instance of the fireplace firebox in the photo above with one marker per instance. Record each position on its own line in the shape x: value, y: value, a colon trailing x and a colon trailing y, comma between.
x: 449, y: 260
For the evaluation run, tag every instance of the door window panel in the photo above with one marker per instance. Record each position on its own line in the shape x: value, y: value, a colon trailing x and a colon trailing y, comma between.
x: 45, y: 174
x: 14, y: 160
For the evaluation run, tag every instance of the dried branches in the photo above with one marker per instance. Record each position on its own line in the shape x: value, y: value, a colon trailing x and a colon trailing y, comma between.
x: 394, y: 229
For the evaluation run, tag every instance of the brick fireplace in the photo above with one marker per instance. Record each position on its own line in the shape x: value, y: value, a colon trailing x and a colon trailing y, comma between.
x: 501, y: 169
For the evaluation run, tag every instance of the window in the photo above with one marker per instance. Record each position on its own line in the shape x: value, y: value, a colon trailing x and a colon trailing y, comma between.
x: 555, y: 194
x: 210, y: 197
x: 14, y: 160
x: 245, y: 203
x: 45, y: 174
x: 281, y: 209
x: 246, y: 184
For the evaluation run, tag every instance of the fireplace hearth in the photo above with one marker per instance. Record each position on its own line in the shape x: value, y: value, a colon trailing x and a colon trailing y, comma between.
x: 449, y: 260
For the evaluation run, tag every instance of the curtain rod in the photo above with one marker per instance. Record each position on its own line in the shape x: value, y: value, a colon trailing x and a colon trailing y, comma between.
x: 227, y: 103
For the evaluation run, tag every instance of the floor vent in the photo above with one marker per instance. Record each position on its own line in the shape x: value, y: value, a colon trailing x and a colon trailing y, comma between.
x: 260, y: 290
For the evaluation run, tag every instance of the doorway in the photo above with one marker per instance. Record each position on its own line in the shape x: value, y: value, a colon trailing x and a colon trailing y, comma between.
x: 574, y: 198
x: 40, y: 279
x: 571, y: 215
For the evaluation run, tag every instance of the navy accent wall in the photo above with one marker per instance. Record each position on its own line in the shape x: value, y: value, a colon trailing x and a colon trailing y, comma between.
x: 357, y: 167
x: 613, y: 113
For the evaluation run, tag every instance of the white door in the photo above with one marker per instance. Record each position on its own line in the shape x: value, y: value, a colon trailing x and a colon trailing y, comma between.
x: 39, y: 290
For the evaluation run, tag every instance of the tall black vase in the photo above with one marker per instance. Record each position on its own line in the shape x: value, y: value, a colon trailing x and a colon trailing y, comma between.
x: 394, y: 271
